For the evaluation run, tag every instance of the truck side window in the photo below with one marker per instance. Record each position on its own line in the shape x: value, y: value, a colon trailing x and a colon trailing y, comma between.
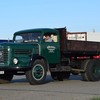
x: 55, y: 38
x: 49, y: 37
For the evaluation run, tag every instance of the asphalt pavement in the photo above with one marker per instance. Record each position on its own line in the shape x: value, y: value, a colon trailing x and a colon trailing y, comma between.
x: 72, y: 89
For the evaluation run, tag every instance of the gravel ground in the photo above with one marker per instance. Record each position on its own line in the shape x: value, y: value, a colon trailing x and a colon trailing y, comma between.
x: 72, y: 89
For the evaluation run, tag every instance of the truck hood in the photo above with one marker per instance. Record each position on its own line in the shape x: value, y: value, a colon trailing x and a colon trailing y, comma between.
x: 22, y: 46
x: 18, y: 44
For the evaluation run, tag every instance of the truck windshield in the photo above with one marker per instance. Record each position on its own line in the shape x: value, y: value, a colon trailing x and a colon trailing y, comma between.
x: 28, y: 37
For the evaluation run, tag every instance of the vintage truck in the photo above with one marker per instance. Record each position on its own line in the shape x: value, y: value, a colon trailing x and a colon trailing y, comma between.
x: 30, y: 55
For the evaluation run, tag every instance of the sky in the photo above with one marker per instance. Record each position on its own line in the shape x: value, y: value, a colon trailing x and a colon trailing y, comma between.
x: 75, y: 15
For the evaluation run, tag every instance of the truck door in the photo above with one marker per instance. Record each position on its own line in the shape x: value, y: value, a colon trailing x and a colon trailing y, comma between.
x: 51, y: 48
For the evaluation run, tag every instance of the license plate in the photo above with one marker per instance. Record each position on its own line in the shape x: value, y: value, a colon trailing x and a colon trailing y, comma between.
x: 1, y: 72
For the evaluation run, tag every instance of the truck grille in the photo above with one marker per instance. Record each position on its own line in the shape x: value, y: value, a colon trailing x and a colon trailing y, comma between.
x: 22, y: 52
x: 3, y: 55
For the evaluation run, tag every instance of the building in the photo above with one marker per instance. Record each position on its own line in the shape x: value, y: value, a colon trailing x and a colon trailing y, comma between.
x: 93, y: 36
x: 77, y: 36
x: 84, y: 36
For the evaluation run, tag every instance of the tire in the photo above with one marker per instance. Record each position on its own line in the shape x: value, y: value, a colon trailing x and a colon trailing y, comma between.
x: 54, y: 75
x: 57, y: 76
x: 84, y: 66
x: 66, y: 75
x: 60, y: 75
x: 75, y: 73
x: 37, y: 74
x: 6, y: 77
x: 92, y: 70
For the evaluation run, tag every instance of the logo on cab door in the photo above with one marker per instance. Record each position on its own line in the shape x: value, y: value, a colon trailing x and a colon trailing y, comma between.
x: 51, y: 49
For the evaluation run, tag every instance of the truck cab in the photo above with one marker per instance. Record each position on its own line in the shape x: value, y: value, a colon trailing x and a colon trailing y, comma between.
x: 46, y: 49
x: 29, y: 47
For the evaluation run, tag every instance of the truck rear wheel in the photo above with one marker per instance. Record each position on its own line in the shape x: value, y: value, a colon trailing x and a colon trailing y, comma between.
x: 84, y: 74
x: 54, y: 75
x: 66, y: 75
x: 60, y: 75
x: 92, y: 70
x: 6, y: 77
x: 57, y: 76
x: 37, y: 74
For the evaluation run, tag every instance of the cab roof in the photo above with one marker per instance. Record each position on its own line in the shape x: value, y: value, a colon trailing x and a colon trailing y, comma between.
x: 35, y: 30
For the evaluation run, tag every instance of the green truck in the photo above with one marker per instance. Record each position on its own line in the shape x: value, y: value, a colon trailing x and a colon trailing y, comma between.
x: 30, y: 55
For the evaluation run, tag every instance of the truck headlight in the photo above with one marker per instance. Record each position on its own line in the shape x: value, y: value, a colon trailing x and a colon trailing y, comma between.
x: 15, y: 61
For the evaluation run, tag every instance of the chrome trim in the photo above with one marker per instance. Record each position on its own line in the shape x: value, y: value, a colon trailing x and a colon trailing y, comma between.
x: 39, y: 48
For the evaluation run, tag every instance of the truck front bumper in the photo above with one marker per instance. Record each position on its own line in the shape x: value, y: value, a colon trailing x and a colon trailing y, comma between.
x: 6, y: 68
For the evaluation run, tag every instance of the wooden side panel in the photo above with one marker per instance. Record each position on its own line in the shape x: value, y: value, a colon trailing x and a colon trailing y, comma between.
x: 76, y: 45
x: 82, y: 46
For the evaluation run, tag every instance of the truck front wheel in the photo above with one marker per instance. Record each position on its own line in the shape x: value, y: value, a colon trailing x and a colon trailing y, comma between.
x: 37, y: 74
x: 6, y: 77
x: 92, y: 70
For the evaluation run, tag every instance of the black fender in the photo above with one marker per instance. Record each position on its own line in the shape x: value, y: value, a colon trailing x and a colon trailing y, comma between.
x: 36, y: 56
